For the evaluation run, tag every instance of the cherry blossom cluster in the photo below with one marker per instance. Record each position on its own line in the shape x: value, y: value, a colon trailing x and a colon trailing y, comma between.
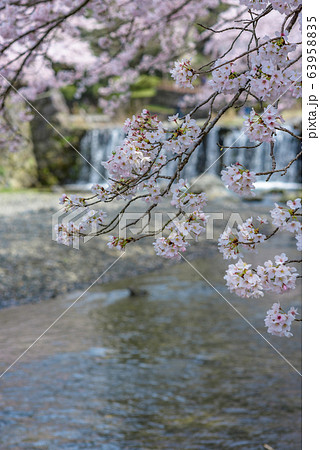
x: 183, y: 73
x: 296, y: 86
x: 285, y: 219
x: 69, y: 28
x: 143, y: 153
x: 243, y: 281
x: 228, y: 244
x: 277, y: 276
x: 138, y: 151
x: 226, y: 79
x: 154, y: 191
x: 281, y: 215
x: 94, y: 217
x: 278, y: 322
x: 239, y: 179
x: 139, y: 155
x: 274, y: 276
x: 183, y: 136
x: 186, y: 201
x: 274, y: 53
x: 269, y: 78
x: 255, y: 4
x: 117, y: 243
x: 144, y: 125
x: 101, y: 192
x: 268, y: 83
x: 66, y: 25
x: 284, y: 7
x: 299, y: 241
x: 68, y: 233
x: 262, y: 127
x: 170, y: 247
x: 247, y: 237
x: 71, y: 202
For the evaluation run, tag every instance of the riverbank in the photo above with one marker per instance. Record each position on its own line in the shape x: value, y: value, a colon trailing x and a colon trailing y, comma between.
x: 34, y: 267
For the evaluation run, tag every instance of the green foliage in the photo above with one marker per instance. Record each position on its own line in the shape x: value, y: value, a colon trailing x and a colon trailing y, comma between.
x: 143, y: 93
x: 68, y: 92
x: 145, y: 86
x: 161, y: 109
x: 146, y: 82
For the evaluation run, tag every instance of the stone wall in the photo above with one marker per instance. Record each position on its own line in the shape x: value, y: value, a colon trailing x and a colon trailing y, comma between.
x: 19, y: 169
x: 57, y: 161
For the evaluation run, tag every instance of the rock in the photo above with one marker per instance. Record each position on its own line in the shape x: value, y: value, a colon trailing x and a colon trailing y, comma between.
x: 137, y: 292
x: 19, y: 169
x: 57, y: 161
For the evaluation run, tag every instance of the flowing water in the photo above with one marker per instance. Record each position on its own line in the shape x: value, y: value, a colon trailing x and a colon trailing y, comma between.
x: 158, y: 362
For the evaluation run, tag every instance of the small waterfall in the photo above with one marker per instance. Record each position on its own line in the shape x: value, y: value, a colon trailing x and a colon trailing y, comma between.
x: 258, y: 159
x: 97, y: 145
x: 213, y: 159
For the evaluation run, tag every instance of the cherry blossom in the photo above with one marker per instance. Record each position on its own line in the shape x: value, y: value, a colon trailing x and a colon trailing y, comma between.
x: 269, y: 77
x: 185, y: 200
x: 255, y: 4
x: 139, y: 149
x: 249, y: 234
x: 243, y: 281
x: 117, y: 243
x: 226, y: 79
x: 280, y: 215
x: 247, y: 237
x: 180, y: 231
x: 284, y: 7
x: 101, y: 192
x: 277, y: 276
x: 183, y: 73
x: 239, y: 179
x: 183, y: 136
x: 278, y: 322
x: 71, y: 202
x: 154, y: 191
x: 66, y: 234
x: 262, y: 127
x: 285, y: 219
x: 228, y: 244
x: 70, y: 232
x: 168, y: 248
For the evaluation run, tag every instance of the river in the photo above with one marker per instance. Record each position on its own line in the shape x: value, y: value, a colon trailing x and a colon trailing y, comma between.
x: 160, y: 361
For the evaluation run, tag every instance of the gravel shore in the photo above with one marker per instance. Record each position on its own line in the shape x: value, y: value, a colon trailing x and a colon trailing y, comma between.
x: 34, y: 267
